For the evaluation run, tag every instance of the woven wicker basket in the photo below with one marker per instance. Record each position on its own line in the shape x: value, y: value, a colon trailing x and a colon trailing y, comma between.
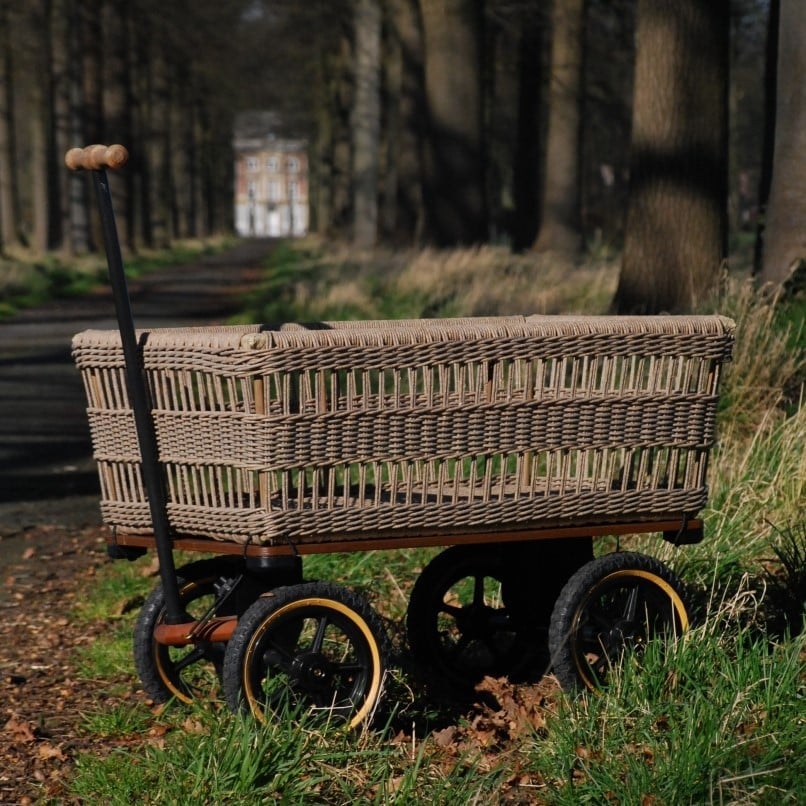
x: 370, y: 429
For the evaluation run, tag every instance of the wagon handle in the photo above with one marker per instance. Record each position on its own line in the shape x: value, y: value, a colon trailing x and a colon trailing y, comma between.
x: 96, y: 157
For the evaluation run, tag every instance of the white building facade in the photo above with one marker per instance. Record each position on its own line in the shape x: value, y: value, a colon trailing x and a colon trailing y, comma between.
x: 271, y: 187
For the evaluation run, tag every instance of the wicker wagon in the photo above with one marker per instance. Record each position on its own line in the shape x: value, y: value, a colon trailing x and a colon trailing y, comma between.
x: 514, y: 440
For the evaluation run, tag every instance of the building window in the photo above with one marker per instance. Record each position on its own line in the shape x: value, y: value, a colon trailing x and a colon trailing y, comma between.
x: 293, y: 165
x: 293, y: 190
x: 274, y: 191
x: 272, y: 165
x: 251, y: 164
x: 251, y: 189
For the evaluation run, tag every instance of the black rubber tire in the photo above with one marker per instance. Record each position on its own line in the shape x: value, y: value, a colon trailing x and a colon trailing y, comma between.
x: 460, y: 624
x: 323, y: 648
x: 612, y: 604
x: 181, y: 672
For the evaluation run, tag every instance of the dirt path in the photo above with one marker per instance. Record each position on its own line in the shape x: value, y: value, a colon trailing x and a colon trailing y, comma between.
x: 51, y: 539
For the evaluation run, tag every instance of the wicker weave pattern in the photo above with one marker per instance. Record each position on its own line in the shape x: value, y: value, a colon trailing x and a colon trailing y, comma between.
x: 315, y: 433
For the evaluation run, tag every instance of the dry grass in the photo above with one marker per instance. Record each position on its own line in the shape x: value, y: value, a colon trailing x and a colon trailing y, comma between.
x: 481, y: 281
x: 768, y: 367
x: 494, y: 281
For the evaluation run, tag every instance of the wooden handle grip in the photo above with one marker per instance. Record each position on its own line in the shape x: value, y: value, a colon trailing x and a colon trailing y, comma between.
x: 94, y: 158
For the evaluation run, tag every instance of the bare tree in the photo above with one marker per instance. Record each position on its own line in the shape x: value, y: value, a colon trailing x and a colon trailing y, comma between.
x: 454, y: 166
x: 402, y: 215
x: 366, y: 121
x: 785, y: 233
x: 560, y: 229
x: 677, y: 211
x: 9, y: 191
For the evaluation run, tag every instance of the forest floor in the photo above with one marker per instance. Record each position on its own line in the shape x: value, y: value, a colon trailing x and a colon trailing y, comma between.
x: 51, y: 537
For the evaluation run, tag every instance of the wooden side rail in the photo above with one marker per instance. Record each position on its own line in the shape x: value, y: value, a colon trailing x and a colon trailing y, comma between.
x: 675, y: 531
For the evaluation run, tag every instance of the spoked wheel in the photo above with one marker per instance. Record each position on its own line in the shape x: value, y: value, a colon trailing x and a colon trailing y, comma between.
x: 459, y: 621
x: 176, y: 671
x: 613, y: 604
x: 312, y: 646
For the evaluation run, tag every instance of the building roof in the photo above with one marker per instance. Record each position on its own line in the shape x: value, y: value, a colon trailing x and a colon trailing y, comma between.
x: 258, y: 130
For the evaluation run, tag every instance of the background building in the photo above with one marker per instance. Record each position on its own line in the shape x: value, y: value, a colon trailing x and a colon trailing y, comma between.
x: 271, y: 179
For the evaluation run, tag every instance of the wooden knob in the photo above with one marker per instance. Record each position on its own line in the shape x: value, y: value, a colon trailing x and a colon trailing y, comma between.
x: 96, y: 157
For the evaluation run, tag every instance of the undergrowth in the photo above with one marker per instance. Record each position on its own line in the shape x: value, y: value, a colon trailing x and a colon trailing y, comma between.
x: 27, y: 281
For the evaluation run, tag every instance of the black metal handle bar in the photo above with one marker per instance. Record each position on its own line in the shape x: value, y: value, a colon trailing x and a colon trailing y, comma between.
x: 96, y: 159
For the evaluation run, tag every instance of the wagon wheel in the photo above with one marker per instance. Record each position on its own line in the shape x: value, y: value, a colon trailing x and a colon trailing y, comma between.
x: 312, y: 646
x: 461, y: 620
x: 613, y: 604
x: 181, y: 671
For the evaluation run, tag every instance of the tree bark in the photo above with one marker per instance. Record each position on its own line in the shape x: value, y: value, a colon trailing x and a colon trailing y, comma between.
x: 336, y: 214
x: 61, y: 234
x: 117, y: 109
x: 677, y: 210
x: 560, y: 226
x: 77, y: 190
x: 39, y: 125
x: 9, y: 190
x: 528, y: 170
x: 454, y: 167
x: 406, y: 146
x: 785, y: 232
x: 366, y: 122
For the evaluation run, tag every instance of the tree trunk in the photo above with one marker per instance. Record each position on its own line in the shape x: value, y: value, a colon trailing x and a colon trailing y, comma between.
x: 340, y: 201
x: 527, y: 169
x: 117, y: 111
x: 92, y: 65
x: 408, y: 134
x: 366, y: 122
x: 9, y: 191
x: 39, y: 125
x: 321, y: 198
x: 157, y: 158
x: 390, y: 134
x: 560, y: 226
x: 785, y: 232
x: 61, y: 235
x: 677, y: 211
x: 454, y: 166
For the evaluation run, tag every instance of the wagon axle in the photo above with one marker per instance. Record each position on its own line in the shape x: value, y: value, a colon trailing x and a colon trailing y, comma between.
x: 219, y: 628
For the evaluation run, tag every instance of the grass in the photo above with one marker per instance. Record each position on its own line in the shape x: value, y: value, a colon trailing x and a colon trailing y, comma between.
x: 715, y: 717
x: 306, y: 282
x: 27, y: 280
x: 710, y: 720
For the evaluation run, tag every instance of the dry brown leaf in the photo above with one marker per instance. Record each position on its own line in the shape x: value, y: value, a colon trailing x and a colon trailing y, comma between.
x: 191, y: 725
x: 20, y: 730
x: 49, y: 751
x: 444, y: 737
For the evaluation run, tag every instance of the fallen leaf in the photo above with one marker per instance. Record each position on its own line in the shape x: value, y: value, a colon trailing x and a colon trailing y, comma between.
x: 49, y: 751
x: 444, y: 737
x: 29, y: 553
x: 191, y: 725
x: 20, y: 731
